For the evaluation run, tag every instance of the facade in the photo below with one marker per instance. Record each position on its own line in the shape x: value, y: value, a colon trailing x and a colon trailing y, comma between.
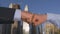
x: 49, y: 28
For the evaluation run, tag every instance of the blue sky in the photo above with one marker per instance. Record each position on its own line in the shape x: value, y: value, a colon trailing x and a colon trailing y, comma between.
x: 36, y: 6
